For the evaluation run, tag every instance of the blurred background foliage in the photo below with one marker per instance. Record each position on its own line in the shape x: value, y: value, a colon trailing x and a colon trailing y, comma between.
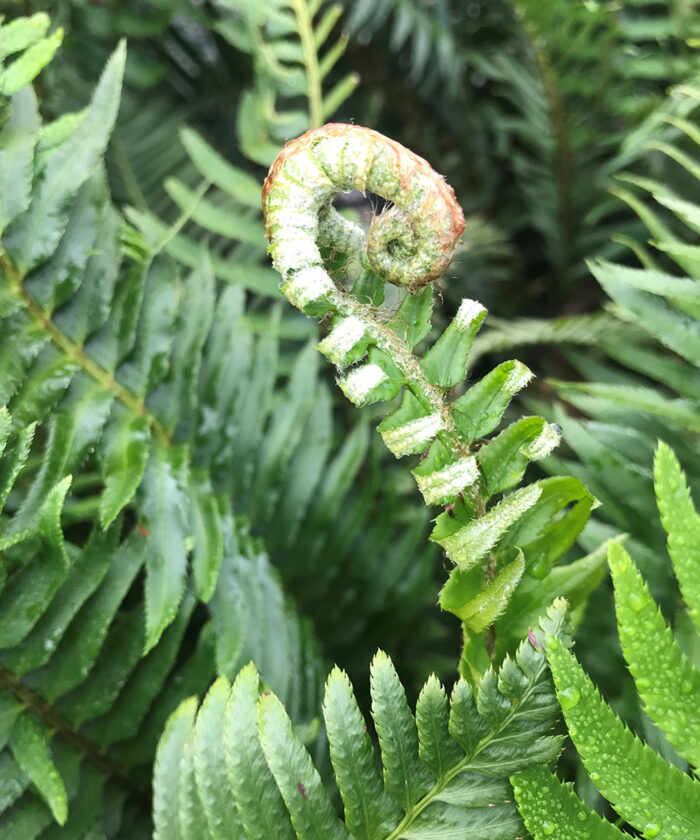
x: 568, y: 129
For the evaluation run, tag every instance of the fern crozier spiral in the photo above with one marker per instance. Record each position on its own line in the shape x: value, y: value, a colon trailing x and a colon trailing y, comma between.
x: 409, y: 245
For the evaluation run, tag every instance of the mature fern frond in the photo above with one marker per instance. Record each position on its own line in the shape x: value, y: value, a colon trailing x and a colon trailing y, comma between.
x: 88, y: 671
x: 567, y: 96
x: 90, y: 336
x: 54, y: 327
x: 655, y: 797
x: 658, y: 301
x: 443, y: 771
x: 74, y: 684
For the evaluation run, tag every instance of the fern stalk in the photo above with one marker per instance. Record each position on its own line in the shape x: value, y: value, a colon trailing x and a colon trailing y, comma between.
x: 74, y: 352
x: 313, y: 76
x: 68, y: 733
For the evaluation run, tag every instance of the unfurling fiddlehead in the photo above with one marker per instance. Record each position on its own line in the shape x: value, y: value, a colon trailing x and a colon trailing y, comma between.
x: 409, y: 245
x: 492, y: 538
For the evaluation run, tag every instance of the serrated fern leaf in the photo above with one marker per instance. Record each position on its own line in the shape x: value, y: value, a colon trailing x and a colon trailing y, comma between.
x: 369, y: 811
x: 643, y: 788
x: 551, y: 809
x: 682, y: 524
x: 444, y: 772
x: 653, y: 796
x: 663, y: 675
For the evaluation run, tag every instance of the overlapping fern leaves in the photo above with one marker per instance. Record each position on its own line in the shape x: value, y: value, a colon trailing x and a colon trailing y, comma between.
x: 653, y: 796
x: 640, y: 356
x: 82, y: 707
x: 422, y: 34
x: 443, y: 771
x: 111, y: 529
x: 567, y: 84
x: 647, y: 386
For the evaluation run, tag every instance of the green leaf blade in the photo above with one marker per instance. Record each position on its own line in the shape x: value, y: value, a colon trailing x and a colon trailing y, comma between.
x: 406, y: 778
x: 259, y: 802
x: 34, y: 235
x: 164, y: 511
x: 309, y: 806
x: 662, y: 673
x: 437, y: 750
x: 682, y: 524
x: 552, y: 811
x: 166, y: 774
x: 369, y: 812
x: 209, y: 759
x: 29, y: 745
x: 634, y: 778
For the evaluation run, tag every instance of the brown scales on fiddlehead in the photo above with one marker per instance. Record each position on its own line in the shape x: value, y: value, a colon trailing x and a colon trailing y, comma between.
x: 409, y: 245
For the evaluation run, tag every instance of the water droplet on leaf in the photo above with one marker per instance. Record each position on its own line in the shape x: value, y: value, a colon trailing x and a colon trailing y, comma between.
x: 569, y: 697
x: 638, y: 601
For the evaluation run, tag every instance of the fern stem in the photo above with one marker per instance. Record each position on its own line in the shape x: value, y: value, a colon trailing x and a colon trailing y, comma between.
x: 409, y: 365
x: 65, y: 730
x: 313, y: 76
x: 76, y: 353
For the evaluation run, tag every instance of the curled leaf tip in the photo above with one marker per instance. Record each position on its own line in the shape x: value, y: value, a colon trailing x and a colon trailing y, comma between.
x: 409, y: 244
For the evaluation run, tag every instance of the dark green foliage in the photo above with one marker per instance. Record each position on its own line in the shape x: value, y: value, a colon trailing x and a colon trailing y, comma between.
x: 180, y: 478
x: 100, y: 635
x: 443, y: 770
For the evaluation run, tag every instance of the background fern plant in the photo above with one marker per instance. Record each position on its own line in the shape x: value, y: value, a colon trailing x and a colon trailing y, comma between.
x: 95, y: 656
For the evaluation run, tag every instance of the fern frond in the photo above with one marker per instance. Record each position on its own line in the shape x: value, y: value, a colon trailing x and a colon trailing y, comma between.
x: 476, y: 529
x: 72, y: 671
x: 442, y: 771
x: 572, y: 99
x: 91, y: 336
x: 656, y: 797
x: 92, y: 661
x: 425, y: 33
